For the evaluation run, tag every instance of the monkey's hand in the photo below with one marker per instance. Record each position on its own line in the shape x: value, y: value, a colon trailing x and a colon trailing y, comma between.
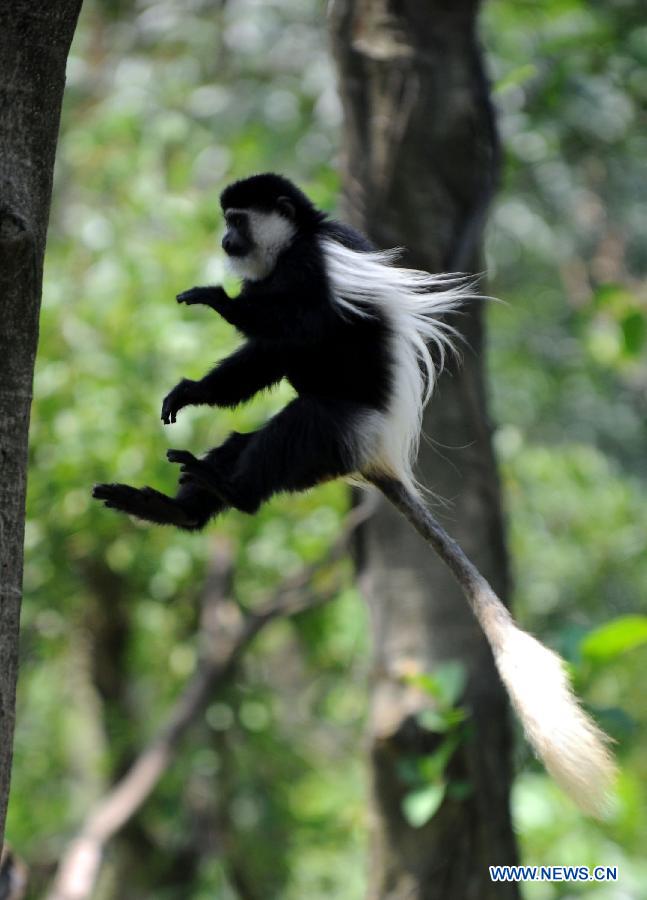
x: 207, y: 296
x: 183, y: 394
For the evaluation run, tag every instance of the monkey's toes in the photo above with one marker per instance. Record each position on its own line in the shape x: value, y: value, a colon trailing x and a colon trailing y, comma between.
x: 116, y: 496
x: 180, y: 456
x: 103, y: 491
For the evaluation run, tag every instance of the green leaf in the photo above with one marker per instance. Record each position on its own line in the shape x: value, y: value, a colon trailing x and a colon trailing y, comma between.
x: 441, y: 721
x: 433, y: 720
x: 432, y: 766
x: 426, y: 682
x: 515, y: 77
x: 451, y: 678
x: 445, y: 683
x: 634, y: 330
x: 613, y: 297
x: 615, y: 638
x: 421, y: 805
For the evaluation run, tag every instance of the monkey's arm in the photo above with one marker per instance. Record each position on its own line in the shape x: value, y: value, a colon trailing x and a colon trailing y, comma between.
x: 268, y: 314
x: 236, y: 312
x: 237, y: 378
x: 204, y: 296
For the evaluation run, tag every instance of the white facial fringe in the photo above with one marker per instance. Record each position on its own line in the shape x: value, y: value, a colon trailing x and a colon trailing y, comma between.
x: 412, y: 302
x: 270, y: 233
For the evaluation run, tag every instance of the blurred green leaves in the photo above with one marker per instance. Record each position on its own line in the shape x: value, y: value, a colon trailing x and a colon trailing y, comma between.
x: 615, y: 638
x: 426, y: 775
x: 614, y: 329
x: 421, y: 804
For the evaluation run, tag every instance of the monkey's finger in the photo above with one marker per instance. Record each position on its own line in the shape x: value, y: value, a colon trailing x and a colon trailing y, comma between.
x: 169, y: 412
x: 188, y: 297
x: 116, y: 496
x: 180, y: 456
x: 103, y: 491
x: 110, y: 491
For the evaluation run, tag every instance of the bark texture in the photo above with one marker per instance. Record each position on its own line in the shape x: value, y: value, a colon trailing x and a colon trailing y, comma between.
x: 419, y: 171
x: 35, y: 37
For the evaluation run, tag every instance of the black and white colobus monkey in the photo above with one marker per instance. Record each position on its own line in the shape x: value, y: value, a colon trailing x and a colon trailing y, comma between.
x: 353, y: 333
x: 347, y: 329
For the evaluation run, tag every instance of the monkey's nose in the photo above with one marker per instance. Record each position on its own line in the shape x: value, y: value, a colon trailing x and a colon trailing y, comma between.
x: 235, y: 244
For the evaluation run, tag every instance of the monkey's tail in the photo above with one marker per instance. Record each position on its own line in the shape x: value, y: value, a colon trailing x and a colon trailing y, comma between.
x: 569, y: 743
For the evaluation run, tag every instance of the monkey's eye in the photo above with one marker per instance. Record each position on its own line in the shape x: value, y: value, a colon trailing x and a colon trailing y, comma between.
x: 235, y: 219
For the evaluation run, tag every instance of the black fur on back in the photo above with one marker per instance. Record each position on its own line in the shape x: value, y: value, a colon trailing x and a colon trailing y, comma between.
x: 326, y: 351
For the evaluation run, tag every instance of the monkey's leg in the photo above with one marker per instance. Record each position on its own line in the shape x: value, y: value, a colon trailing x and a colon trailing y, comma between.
x: 215, y: 468
x: 145, y: 503
x: 191, y: 509
x: 308, y: 442
x: 192, y: 506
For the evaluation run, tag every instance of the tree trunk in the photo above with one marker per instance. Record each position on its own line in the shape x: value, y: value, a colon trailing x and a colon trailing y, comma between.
x: 420, y: 168
x: 35, y: 37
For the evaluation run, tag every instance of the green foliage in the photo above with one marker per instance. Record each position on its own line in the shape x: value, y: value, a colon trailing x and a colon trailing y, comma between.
x: 426, y: 775
x: 568, y: 368
x: 421, y: 804
x: 163, y: 107
x: 165, y: 103
x: 445, y: 684
x: 615, y: 638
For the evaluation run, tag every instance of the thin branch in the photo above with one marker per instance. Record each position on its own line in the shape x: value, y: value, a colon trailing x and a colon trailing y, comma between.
x: 226, y: 632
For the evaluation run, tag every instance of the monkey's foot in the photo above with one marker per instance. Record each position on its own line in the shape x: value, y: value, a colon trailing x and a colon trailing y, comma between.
x: 196, y: 471
x: 145, y: 503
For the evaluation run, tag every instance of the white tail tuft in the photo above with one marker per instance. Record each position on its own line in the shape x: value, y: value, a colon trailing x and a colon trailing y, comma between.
x: 569, y: 743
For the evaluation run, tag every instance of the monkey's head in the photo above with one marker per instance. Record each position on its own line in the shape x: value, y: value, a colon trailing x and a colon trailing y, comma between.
x: 263, y: 215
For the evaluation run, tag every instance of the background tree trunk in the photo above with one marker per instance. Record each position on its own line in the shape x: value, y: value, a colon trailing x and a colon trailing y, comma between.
x: 35, y: 37
x: 420, y: 168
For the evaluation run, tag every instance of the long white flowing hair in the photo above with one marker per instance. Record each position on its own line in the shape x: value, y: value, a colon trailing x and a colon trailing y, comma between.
x: 414, y: 304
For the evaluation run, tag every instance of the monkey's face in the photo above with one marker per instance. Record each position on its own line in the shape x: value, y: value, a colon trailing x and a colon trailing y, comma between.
x: 254, y: 239
x: 237, y: 240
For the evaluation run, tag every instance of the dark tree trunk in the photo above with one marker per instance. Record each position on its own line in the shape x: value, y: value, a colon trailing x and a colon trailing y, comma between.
x: 420, y: 169
x: 35, y: 37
